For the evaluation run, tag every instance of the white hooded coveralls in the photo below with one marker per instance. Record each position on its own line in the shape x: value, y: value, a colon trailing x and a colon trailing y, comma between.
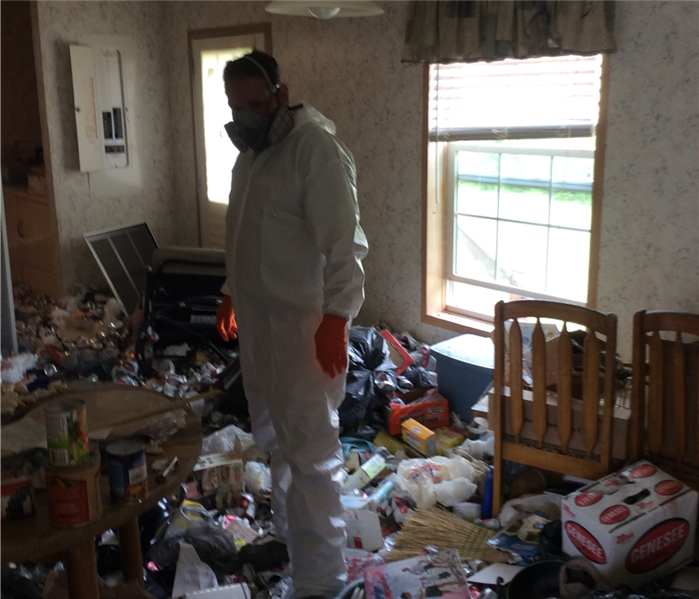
x: 293, y: 253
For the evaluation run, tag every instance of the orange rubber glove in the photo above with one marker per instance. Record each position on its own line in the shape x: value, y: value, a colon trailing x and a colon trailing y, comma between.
x: 225, y: 319
x: 331, y: 345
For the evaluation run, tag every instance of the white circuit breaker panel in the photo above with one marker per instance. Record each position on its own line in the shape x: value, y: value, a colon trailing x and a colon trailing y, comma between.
x: 100, y: 110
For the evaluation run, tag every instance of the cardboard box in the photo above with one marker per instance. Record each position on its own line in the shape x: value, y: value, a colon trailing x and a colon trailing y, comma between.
x: 634, y: 525
x: 447, y: 437
x: 219, y: 472
x: 419, y: 437
x: 363, y: 526
x: 431, y: 411
x: 367, y: 472
x: 620, y: 424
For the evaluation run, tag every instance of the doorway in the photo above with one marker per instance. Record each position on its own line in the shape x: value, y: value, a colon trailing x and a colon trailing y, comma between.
x: 210, y: 50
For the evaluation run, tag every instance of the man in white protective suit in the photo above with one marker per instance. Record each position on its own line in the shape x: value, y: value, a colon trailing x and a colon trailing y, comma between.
x: 294, y: 248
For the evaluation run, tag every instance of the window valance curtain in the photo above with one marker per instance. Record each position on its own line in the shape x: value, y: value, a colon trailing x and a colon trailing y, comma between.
x: 446, y: 31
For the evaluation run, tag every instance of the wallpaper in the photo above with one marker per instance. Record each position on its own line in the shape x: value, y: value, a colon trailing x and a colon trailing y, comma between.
x: 78, y: 210
x: 350, y: 70
x: 649, y: 255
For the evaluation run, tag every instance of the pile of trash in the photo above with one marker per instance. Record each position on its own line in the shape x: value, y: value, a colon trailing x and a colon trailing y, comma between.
x: 86, y: 337
x: 417, y: 490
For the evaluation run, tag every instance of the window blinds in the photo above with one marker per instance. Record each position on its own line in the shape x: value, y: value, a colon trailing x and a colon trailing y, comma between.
x: 515, y: 99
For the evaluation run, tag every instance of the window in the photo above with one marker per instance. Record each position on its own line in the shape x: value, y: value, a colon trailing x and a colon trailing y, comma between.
x: 513, y: 184
x: 210, y: 50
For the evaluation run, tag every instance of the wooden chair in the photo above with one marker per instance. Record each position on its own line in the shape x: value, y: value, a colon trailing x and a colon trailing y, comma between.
x: 544, y: 435
x: 665, y: 393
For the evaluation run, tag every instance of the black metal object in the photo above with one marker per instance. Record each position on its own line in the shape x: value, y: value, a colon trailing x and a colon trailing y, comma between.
x: 180, y: 301
x: 540, y: 580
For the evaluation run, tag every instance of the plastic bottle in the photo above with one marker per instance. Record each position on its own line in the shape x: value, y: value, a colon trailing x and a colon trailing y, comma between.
x: 382, y: 492
x: 487, y: 510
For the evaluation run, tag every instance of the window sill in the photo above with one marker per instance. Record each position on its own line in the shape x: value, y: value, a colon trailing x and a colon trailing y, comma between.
x: 458, y: 323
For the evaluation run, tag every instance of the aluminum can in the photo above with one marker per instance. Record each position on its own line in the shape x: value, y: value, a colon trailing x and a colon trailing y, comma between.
x: 128, y: 473
x: 66, y: 433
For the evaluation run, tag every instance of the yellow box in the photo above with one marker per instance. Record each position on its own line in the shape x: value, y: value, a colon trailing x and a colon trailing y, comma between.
x: 447, y: 437
x: 419, y: 437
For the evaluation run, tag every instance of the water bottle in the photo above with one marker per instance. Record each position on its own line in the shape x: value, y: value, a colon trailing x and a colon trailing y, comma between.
x: 382, y: 492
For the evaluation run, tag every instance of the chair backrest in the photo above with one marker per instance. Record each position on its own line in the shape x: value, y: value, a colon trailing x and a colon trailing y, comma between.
x: 567, y: 434
x: 665, y: 392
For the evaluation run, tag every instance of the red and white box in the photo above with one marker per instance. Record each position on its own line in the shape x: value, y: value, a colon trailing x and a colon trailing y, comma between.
x: 633, y: 526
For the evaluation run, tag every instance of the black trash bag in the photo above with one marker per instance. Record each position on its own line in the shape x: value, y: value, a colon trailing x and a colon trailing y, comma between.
x: 420, y: 377
x: 359, y: 392
x: 550, y: 540
x: 214, y: 546
x: 371, y: 376
x: 15, y: 585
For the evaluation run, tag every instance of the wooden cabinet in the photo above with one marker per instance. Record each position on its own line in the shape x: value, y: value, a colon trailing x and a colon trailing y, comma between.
x: 31, y: 240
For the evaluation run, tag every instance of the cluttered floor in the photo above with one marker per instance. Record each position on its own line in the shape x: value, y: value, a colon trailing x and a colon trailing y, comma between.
x: 417, y: 494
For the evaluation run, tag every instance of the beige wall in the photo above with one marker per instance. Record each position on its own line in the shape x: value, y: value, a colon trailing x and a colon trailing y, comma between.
x: 79, y: 210
x: 350, y: 69
x: 649, y: 254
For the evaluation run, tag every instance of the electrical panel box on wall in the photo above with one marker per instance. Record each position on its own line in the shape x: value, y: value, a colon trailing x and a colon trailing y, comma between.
x: 111, y: 102
x: 101, y: 116
x: 108, y: 111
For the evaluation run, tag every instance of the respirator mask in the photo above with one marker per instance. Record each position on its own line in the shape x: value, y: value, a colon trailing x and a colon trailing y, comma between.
x: 257, y: 131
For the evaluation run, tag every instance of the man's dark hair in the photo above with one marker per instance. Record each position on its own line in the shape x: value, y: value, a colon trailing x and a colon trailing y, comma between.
x: 254, y: 64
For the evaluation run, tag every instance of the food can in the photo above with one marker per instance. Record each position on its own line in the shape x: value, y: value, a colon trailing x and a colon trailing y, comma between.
x: 128, y: 473
x: 74, y: 494
x: 66, y: 433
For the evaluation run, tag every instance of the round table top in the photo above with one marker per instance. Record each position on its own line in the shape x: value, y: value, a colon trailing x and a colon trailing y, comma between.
x: 34, y: 537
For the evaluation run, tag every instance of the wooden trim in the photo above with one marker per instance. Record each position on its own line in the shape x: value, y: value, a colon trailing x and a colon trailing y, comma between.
x: 535, y: 458
x: 598, y: 185
x: 458, y: 324
x: 200, y: 34
x: 46, y: 143
x: 433, y: 221
x: 426, y: 232
x: 192, y: 103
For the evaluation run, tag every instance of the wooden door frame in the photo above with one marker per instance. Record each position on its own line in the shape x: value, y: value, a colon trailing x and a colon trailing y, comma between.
x: 199, y: 34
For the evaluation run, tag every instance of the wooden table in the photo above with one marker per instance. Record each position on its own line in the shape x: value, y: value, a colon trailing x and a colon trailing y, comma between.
x: 36, y: 538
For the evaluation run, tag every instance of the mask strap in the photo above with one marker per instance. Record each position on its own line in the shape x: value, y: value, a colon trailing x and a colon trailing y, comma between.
x: 273, y: 89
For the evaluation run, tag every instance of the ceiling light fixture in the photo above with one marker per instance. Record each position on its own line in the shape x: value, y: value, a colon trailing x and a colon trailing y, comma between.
x: 325, y: 9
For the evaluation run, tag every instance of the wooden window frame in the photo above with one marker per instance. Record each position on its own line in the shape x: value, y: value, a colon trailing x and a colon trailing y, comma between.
x: 434, y: 223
